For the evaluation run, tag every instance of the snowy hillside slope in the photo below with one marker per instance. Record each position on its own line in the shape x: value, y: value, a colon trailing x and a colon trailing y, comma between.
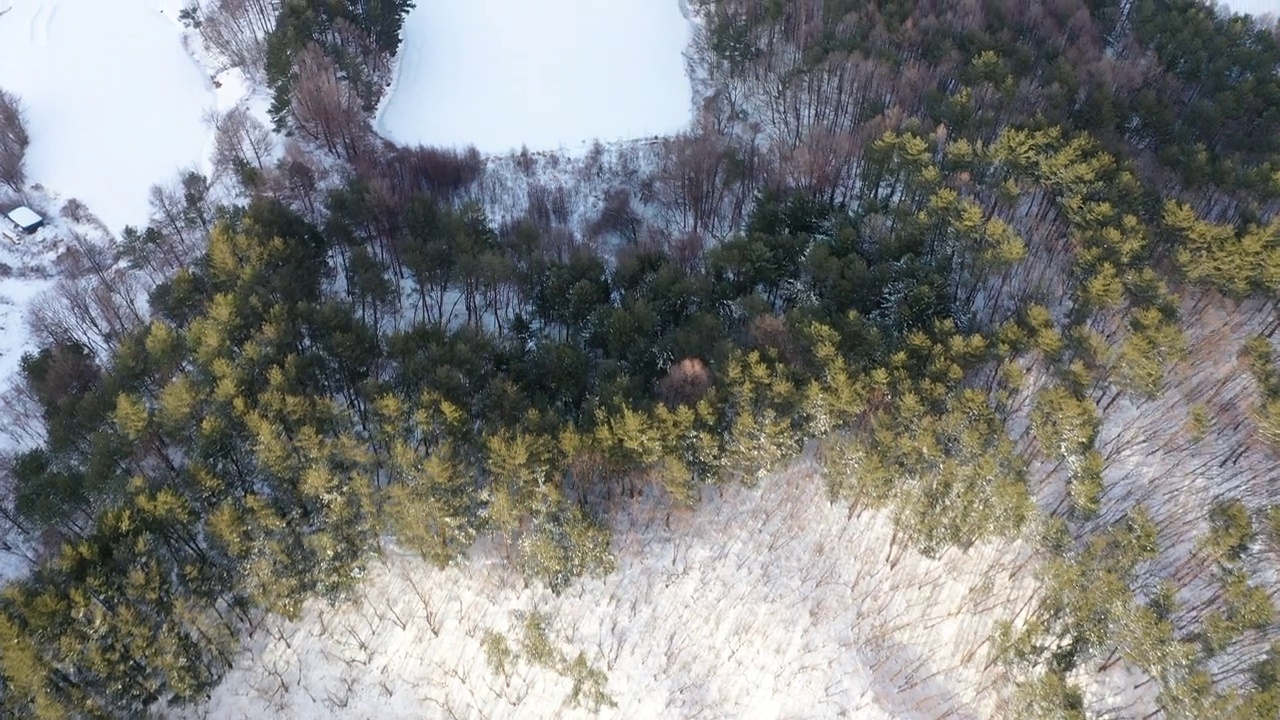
x: 1158, y: 459
x: 759, y: 603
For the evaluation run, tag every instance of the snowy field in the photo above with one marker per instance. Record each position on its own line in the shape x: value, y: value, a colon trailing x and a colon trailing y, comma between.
x: 114, y: 101
x: 766, y: 603
x: 500, y: 74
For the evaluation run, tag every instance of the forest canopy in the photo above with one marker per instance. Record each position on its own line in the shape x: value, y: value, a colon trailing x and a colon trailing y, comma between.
x: 933, y: 243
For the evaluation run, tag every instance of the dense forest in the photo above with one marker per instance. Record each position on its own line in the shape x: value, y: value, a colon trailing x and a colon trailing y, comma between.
x: 933, y: 242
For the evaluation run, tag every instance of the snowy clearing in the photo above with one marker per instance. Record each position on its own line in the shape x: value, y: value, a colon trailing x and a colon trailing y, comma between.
x: 114, y: 101
x: 500, y: 74
x: 760, y: 603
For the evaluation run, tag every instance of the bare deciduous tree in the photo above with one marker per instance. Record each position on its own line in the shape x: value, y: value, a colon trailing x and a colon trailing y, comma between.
x: 704, y: 183
x: 403, y: 173
x: 823, y: 164
x: 325, y: 108
x: 238, y: 30
x: 549, y: 205
x: 770, y: 332
x: 299, y: 181
x: 618, y: 217
x: 95, y: 303
x: 242, y: 144
x: 181, y: 214
x: 13, y: 141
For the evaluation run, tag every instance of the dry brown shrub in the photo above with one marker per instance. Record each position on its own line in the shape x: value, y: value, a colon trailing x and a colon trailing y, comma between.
x: 771, y: 333
x: 685, y: 383
x: 442, y: 173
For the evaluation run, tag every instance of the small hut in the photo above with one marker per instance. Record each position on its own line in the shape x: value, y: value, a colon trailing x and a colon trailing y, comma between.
x: 25, y: 219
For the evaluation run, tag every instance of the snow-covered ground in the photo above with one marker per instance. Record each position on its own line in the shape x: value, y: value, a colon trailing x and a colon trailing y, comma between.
x: 115, y: 103
x: 15, y: 295
x: 500, y: 74
x: 766, y: 603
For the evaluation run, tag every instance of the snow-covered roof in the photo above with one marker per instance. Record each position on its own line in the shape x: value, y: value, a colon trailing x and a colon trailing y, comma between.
x: 26, y: 218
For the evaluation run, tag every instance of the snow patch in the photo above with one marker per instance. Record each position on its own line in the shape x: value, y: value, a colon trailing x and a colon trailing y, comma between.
x: 555, y: 74
x: 15, y: 295
x: 1255, y: 7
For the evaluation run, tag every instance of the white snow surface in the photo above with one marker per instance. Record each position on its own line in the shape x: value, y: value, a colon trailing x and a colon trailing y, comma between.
x: 1255, y: 7
x: 768, y: 603
x: 552, y: 74
x: 114, y: 101
x: 15, y: 295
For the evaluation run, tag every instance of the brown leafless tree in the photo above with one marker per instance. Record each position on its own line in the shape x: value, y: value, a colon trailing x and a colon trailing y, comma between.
x: 618, y: 217
x: 23, y: 417
x: 241, y: 143
x: 13, y: 141
x: 549, y: 205
x: 404, y: 173
x: 298, y: 180
x: 705, y: 182
x: 77, y: 212
x: 238, y: 30
x: 823, y: 164
x: 770, y: 332
x: 326, y: 109
x: 181, y: 212
x: 95, y: 303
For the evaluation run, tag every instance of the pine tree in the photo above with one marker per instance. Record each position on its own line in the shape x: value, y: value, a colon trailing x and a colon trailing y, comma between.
x: 431, y: 505
x: 760, y: 434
